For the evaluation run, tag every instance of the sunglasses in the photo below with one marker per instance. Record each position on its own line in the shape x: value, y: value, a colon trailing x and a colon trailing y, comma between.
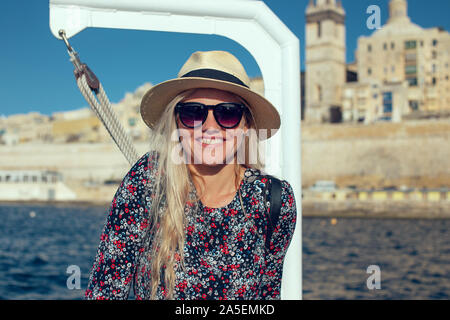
x: 228, y: 115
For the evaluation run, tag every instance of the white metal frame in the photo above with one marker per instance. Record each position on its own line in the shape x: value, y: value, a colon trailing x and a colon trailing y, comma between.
x: 254, y: 26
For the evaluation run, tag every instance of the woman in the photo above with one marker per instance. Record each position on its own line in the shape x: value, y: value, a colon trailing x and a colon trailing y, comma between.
x: 191, y: 218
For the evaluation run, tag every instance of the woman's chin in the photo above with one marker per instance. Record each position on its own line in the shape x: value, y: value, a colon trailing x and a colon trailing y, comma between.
x: 213, y: 156
x: 211, y: 161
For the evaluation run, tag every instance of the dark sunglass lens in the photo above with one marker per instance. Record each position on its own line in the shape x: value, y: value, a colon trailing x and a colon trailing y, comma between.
x: 228, y: 115
x: 192, y: 115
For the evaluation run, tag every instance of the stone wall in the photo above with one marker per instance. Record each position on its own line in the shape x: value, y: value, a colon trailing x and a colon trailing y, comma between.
x: 412, y: 154
x: 78, y: 162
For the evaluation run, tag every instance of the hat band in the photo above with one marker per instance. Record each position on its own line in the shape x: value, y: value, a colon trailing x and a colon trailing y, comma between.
x: 214, y: 74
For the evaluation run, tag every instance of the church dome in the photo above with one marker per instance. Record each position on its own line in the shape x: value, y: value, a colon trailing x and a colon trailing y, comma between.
x: 399, y: 23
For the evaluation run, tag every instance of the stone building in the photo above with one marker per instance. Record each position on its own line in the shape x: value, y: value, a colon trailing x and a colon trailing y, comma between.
x: 22, y: 128
x: 80, y: 125
x: 128, y: 112
x: 41, y: 185
x: 325, y: 59
x: 402, y: 70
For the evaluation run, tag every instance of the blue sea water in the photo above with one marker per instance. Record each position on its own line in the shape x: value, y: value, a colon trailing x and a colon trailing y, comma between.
x: 39, y: 243
x: 413, y: 257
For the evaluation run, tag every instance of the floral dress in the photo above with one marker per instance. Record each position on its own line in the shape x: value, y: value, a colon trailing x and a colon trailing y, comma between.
x: 225, y: 256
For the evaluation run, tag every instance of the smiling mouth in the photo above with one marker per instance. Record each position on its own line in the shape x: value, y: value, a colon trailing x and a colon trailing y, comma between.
x: 211, y: 141
x: 215, y: 141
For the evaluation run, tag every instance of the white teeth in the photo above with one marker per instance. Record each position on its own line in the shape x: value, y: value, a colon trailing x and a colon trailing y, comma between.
x: 211, y: 141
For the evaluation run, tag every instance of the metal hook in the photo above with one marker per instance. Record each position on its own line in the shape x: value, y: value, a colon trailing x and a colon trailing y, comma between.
x: 80, y: 68
x: 62, y: 34
x: 72, y: 53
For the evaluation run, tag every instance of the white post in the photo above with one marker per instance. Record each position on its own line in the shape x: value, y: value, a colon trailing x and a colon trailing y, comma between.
x: 253, y: 25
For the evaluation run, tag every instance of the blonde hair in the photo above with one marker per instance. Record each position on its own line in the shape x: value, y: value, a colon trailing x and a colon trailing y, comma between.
x: 172, y: 190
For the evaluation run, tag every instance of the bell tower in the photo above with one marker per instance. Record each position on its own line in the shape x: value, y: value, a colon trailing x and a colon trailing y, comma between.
x: 325, y: 59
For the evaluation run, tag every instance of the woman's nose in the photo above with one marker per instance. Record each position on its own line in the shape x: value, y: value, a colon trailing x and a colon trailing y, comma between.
x: 210, y: 122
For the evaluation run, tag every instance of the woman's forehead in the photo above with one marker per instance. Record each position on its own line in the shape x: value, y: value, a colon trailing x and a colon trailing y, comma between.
x: 212, y: 95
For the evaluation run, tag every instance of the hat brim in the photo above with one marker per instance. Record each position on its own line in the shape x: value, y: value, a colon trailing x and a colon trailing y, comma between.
x: 158, y: 97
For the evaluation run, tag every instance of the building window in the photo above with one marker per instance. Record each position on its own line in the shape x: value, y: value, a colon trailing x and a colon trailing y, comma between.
x: 434, y: 81
x: 335, y: 114
x: 385, y: 46
x: 434, y: 55
x: 319, y: 29
x: 412, y: 44
x: 414, y: 105
x: 369, y: 71
x: 319, y: 93
x: 412, y: 82
x: 435, y: 43
x: 433, y: 68
x: 131, y: 122
x: 392, y: 45
x: 392, y: 69
x: 411, y: 69
x: 387, y: 102
x: 369, y: 48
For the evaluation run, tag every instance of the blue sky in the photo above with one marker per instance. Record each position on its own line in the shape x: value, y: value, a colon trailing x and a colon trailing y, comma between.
x: 36, y: 74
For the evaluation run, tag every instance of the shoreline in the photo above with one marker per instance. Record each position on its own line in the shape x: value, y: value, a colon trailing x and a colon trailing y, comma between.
x: 376, y: 209
x: 39, y: 203
x: 311, y: 209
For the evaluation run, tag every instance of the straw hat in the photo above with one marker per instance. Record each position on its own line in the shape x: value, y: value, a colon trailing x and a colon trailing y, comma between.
x: 212, y: 69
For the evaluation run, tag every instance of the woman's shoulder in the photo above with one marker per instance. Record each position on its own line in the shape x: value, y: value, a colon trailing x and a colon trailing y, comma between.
x: 138, y: 180
x: 150, y: 157
x: 147, y: 162
x: 143, y: 170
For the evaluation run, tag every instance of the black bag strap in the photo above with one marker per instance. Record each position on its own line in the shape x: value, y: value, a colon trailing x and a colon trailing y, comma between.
x: 274, y: 187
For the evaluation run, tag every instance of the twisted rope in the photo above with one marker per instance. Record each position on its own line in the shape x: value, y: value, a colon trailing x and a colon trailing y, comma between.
x: 101, y: 106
